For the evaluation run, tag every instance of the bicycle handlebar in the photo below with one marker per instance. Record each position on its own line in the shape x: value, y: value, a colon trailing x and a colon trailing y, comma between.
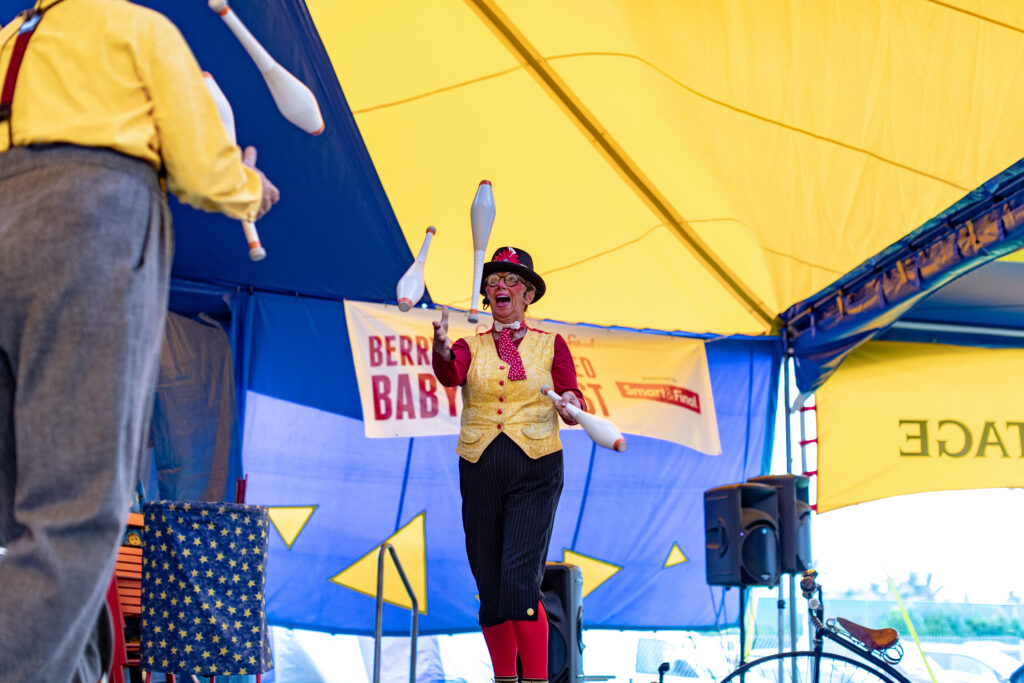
x: 808, y: 583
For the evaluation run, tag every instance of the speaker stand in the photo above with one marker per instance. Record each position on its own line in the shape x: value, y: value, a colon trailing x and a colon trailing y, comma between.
x: 780, y: 604
x: 743, y: 619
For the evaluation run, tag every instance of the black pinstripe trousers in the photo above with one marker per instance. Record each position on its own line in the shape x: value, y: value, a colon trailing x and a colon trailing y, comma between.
x: 508, y: 509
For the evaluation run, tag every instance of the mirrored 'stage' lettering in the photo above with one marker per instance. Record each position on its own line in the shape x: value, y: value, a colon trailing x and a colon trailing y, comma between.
x: 955, y: 439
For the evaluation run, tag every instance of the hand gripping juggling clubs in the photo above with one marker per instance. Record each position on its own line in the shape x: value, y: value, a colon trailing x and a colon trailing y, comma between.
x: 411, y: 286
x: 293, y: 99
x: 481, y: 216
x: 603, y: 432
x: 227, y: 116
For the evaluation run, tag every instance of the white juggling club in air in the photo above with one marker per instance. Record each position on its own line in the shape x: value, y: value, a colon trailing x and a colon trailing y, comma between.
x: 481, y: 216
x: 294, y: 100
x: 603, y: 432
x: 227, y: 116
x: 410, y: 287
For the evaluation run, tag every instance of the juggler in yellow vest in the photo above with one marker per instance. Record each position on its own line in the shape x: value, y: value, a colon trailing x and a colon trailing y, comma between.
x: 492, y: 404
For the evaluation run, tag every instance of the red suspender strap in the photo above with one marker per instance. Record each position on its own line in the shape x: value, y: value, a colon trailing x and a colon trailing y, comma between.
x: 20, y: 43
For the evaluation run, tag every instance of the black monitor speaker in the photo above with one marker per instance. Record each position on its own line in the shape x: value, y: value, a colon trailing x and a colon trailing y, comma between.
x: 562, y: 593
x: 741, y: 537
x: 794, y: 520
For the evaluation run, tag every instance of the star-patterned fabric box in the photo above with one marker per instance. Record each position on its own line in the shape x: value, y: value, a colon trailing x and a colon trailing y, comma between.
x: 202, y: 588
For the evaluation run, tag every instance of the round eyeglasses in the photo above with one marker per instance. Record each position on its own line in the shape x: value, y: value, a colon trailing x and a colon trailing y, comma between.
x: 510, y: 279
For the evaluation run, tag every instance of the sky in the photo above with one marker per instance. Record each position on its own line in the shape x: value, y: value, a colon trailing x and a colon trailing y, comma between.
x: 969, y: 541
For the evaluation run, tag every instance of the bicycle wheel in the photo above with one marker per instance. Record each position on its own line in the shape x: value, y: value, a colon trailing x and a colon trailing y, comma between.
x: 798, y: 667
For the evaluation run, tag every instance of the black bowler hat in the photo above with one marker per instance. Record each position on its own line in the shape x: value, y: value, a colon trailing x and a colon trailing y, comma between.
x: 512, y: 260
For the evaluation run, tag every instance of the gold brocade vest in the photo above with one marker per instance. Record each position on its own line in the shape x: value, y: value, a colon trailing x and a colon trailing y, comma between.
x: 492, y: 404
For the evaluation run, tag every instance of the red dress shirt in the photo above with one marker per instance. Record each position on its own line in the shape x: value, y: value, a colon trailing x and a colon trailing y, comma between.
x: 452, y: 372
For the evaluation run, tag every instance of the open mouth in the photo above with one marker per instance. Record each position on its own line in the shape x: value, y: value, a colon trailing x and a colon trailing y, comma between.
x: 502, y: 300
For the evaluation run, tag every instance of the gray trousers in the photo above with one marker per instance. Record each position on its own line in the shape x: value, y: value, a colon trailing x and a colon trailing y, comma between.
x: 85, y: 254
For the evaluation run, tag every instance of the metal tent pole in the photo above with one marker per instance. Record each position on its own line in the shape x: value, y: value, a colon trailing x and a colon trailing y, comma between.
x: 787, y: 358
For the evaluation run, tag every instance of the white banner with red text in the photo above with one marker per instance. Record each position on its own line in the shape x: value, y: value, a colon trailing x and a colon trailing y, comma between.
x: 652, y: 385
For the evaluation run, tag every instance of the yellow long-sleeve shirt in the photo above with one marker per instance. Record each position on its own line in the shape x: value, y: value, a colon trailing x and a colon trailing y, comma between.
x: 108, y: 73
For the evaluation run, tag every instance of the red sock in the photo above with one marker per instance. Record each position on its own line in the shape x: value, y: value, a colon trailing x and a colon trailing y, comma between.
x: 532, y: 637
x: 501, y: 643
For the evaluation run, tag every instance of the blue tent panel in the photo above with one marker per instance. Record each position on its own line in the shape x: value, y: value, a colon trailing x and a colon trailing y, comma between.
x: 623, y: 509
x: 303, y: 438
x: 299, y: 351
x: 983, y: 308
x: 334, y: 234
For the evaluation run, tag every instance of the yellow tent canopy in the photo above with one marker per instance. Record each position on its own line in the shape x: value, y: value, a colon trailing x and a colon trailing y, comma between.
x: 678, y: 165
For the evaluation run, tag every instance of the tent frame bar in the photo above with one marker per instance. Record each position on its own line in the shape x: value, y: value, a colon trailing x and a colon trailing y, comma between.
x: 947, y: 328
x: 537, y: 65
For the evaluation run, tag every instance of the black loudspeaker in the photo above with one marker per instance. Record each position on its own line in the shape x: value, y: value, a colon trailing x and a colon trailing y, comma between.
x: 794, y: 520
x: 562, y: 593
x: 741, y: 535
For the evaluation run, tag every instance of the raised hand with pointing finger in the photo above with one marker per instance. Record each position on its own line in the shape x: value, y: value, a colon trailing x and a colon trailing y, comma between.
x: 442, y: 344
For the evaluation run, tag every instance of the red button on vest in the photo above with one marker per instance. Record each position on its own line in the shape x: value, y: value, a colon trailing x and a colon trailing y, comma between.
x: 499, y: 426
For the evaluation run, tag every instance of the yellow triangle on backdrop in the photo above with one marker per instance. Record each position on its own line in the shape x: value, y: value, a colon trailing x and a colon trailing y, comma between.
x: 595, y: 572
x: 290, y: 520
x: 675, y: 556
x: 409, y: 543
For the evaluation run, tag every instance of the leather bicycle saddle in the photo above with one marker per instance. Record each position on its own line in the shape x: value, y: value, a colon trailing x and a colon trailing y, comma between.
x: 872, y: 638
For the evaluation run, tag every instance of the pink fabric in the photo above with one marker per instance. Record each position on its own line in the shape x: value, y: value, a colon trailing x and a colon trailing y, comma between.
x: 508, y: 352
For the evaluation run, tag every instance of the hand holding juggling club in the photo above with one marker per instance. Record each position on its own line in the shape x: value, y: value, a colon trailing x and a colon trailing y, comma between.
x: 294, y: 100
x: 481, y: 216
x: 410, y: 287
x: 227, y: 117
x: 603, y: 432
